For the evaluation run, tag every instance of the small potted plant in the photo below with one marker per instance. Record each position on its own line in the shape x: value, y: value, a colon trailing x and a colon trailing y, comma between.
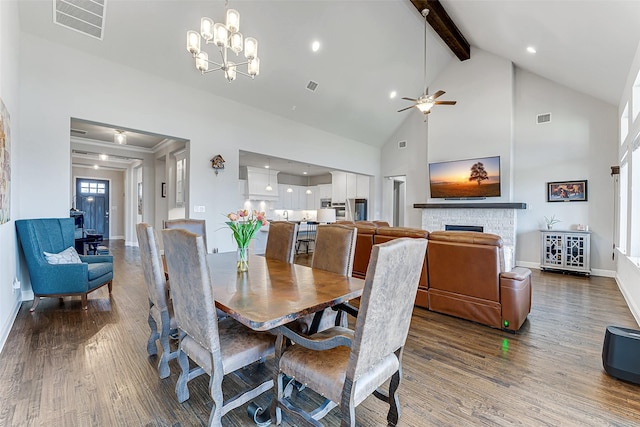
x: 550, y: 221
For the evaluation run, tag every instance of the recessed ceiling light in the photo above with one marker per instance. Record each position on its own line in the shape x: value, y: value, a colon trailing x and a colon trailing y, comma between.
x: 531, y: 49
x: 304, y: 173
x: 103, y: 157
x: 393, y: 94
x: 315, y: 46
x: 266, y: 166
x: 96, y: 166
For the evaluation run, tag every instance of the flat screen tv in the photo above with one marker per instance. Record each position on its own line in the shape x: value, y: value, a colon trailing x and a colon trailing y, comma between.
x: 465, y: 179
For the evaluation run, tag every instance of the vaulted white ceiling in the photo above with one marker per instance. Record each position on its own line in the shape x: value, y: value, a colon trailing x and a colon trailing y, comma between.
x: 368, y: 49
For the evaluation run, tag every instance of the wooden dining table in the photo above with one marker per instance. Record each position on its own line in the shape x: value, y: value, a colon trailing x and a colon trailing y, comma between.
x: 273, y: 293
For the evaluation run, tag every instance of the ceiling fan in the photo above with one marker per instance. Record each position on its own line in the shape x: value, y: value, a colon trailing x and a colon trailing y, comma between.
x: 425, y: 102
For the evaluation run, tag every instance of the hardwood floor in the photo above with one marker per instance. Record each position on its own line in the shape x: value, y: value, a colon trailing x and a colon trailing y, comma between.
x: 63, y: 366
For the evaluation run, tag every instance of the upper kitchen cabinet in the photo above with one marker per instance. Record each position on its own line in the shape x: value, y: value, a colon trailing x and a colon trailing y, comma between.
x: 324, y: 191
x: 346, y: 185
x: 259, y: 180
x: 362, y: 187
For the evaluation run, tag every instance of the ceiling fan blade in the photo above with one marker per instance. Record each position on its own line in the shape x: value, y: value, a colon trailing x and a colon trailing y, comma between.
x: 437, y: 94
x: 399, y: 111
x: 445, y: 102
x: 410, y: 99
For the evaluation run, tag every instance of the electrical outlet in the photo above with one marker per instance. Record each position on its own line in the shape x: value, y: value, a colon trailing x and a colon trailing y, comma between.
x: 16, y: 283
x: 199, y: 209
x: 215, y: 250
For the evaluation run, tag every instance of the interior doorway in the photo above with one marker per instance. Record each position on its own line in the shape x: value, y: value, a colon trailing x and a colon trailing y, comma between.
x: 92, y: 198
x: 398, y: 199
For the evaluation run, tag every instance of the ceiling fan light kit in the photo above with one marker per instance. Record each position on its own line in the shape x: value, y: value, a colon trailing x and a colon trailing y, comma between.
x: 425, y: 102
x: 225, y: 36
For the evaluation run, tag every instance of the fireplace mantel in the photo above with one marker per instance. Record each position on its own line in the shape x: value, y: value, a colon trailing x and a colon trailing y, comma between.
x: 470, y: 205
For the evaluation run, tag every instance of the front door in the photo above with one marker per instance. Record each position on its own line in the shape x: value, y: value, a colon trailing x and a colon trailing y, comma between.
x: 92, y: 197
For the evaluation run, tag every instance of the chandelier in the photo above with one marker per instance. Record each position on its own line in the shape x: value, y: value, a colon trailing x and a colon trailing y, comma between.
x: 227, y: 37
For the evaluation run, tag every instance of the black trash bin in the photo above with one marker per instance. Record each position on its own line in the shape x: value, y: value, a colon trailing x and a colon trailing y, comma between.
x: 621, y: 353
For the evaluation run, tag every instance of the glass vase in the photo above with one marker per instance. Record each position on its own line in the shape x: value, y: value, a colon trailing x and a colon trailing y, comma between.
x: 243, y: 259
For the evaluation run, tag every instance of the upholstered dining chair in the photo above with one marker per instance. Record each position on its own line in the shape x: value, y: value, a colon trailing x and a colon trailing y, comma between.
x: 346, y: 366
x: 281, y: 241
x: 216, y: 347
x: 334, y: 252
x: 161, y: 320
x: 196, y: 226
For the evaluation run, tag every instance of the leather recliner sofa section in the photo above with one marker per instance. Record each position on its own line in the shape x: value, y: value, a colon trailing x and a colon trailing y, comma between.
x: 463, y: 276
x: 467, y: 279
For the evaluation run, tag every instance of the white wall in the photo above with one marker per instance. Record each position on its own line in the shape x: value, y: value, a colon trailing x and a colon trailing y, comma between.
x: 116, y: 195
x: 579, y: 143
x: 480, y: 124
x: 79, y: 85
x: 9, y: 83
x: 495, y: 115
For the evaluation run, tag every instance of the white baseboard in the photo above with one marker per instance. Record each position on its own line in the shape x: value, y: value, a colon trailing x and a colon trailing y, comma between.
x: 116, y: 237
x: 135, y: 244
x: 633, y: 307
x: 6, y: 328
x: 594, y: 271
x: 27, y: 295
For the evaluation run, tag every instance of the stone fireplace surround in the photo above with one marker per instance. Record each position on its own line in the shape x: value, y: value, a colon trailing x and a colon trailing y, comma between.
x: 495, y: 218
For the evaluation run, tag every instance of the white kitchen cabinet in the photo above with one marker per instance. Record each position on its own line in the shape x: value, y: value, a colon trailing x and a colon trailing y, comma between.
x: 324, y: 192
x: 258, y: 180
x: 362, y: 186
x: 352, y: 182
x: 338, y: 187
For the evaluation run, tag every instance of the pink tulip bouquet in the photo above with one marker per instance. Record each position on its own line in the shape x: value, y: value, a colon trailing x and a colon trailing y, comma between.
x: 244, y: 225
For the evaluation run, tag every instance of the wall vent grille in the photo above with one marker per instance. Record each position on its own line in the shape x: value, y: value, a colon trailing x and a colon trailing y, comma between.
x: 84, y: 16
x: 543, y: 118
x: 402, y: 144
x: 312, y: 85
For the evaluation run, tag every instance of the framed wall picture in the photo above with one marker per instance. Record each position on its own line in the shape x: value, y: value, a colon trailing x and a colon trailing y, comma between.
x: 567, y: 191
x: 163, y: 191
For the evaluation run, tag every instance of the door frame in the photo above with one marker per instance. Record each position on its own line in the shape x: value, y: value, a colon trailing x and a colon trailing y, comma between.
x: 73, y: 196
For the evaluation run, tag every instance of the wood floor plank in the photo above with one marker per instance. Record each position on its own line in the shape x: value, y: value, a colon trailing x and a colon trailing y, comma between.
x: 64, y: 366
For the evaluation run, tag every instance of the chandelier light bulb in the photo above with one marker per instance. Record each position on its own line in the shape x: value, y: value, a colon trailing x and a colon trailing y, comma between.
x: 193, y: 42
x: 206, y: 28
x: 220, y: 35
x: 231, y: 71
x: 250, y: 48
x: 202, y: 61
x: 233, y: 20
x: 254, y: 67
x: 236, y: 42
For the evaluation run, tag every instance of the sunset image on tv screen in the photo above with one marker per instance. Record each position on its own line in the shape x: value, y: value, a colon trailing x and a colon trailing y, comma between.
x: 465, y: 178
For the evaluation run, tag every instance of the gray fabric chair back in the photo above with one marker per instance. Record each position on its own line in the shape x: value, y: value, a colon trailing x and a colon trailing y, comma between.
x: 196, y: 226
x: 386, y: 303
x: 152, y: 265
x: 335, y: 248
x: 281, y: 241
x: 191, y: 290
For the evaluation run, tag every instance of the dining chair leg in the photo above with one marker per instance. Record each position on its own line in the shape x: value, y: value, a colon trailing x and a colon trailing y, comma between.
x: 182, y: 391
x: 215, y: 390
x: 163, y: 363
x: 152, y: 349
x: 394, y: 400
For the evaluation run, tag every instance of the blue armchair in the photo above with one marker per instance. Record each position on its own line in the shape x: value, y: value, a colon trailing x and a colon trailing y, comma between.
x: 54, y: 235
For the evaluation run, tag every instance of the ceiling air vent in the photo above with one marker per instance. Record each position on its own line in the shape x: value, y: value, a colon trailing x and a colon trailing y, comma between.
x: 402, y: 144
x: 312, y: 85
x: 543, y: 118
x: 84, y: 16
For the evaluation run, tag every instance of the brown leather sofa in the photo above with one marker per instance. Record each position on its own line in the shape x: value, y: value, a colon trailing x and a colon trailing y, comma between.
x: 467, y: 279
x: 463, y: 276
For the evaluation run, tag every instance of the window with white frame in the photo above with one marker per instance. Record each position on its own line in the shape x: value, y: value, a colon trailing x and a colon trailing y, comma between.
x: 623, y: 214
x: 181, y: 171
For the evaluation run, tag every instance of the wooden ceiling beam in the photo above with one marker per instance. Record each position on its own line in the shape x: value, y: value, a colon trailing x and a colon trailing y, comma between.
x: 442, y: 23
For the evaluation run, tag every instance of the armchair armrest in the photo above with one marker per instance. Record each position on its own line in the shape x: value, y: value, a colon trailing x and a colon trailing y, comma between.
x: 90, y: 259
x: 325, y: 340
x: 61, y: 279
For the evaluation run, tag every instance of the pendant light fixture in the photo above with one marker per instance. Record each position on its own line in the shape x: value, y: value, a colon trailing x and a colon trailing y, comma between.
x: 308, y: 189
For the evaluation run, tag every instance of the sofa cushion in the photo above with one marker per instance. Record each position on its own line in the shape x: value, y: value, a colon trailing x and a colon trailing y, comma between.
x: 68, y: 256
